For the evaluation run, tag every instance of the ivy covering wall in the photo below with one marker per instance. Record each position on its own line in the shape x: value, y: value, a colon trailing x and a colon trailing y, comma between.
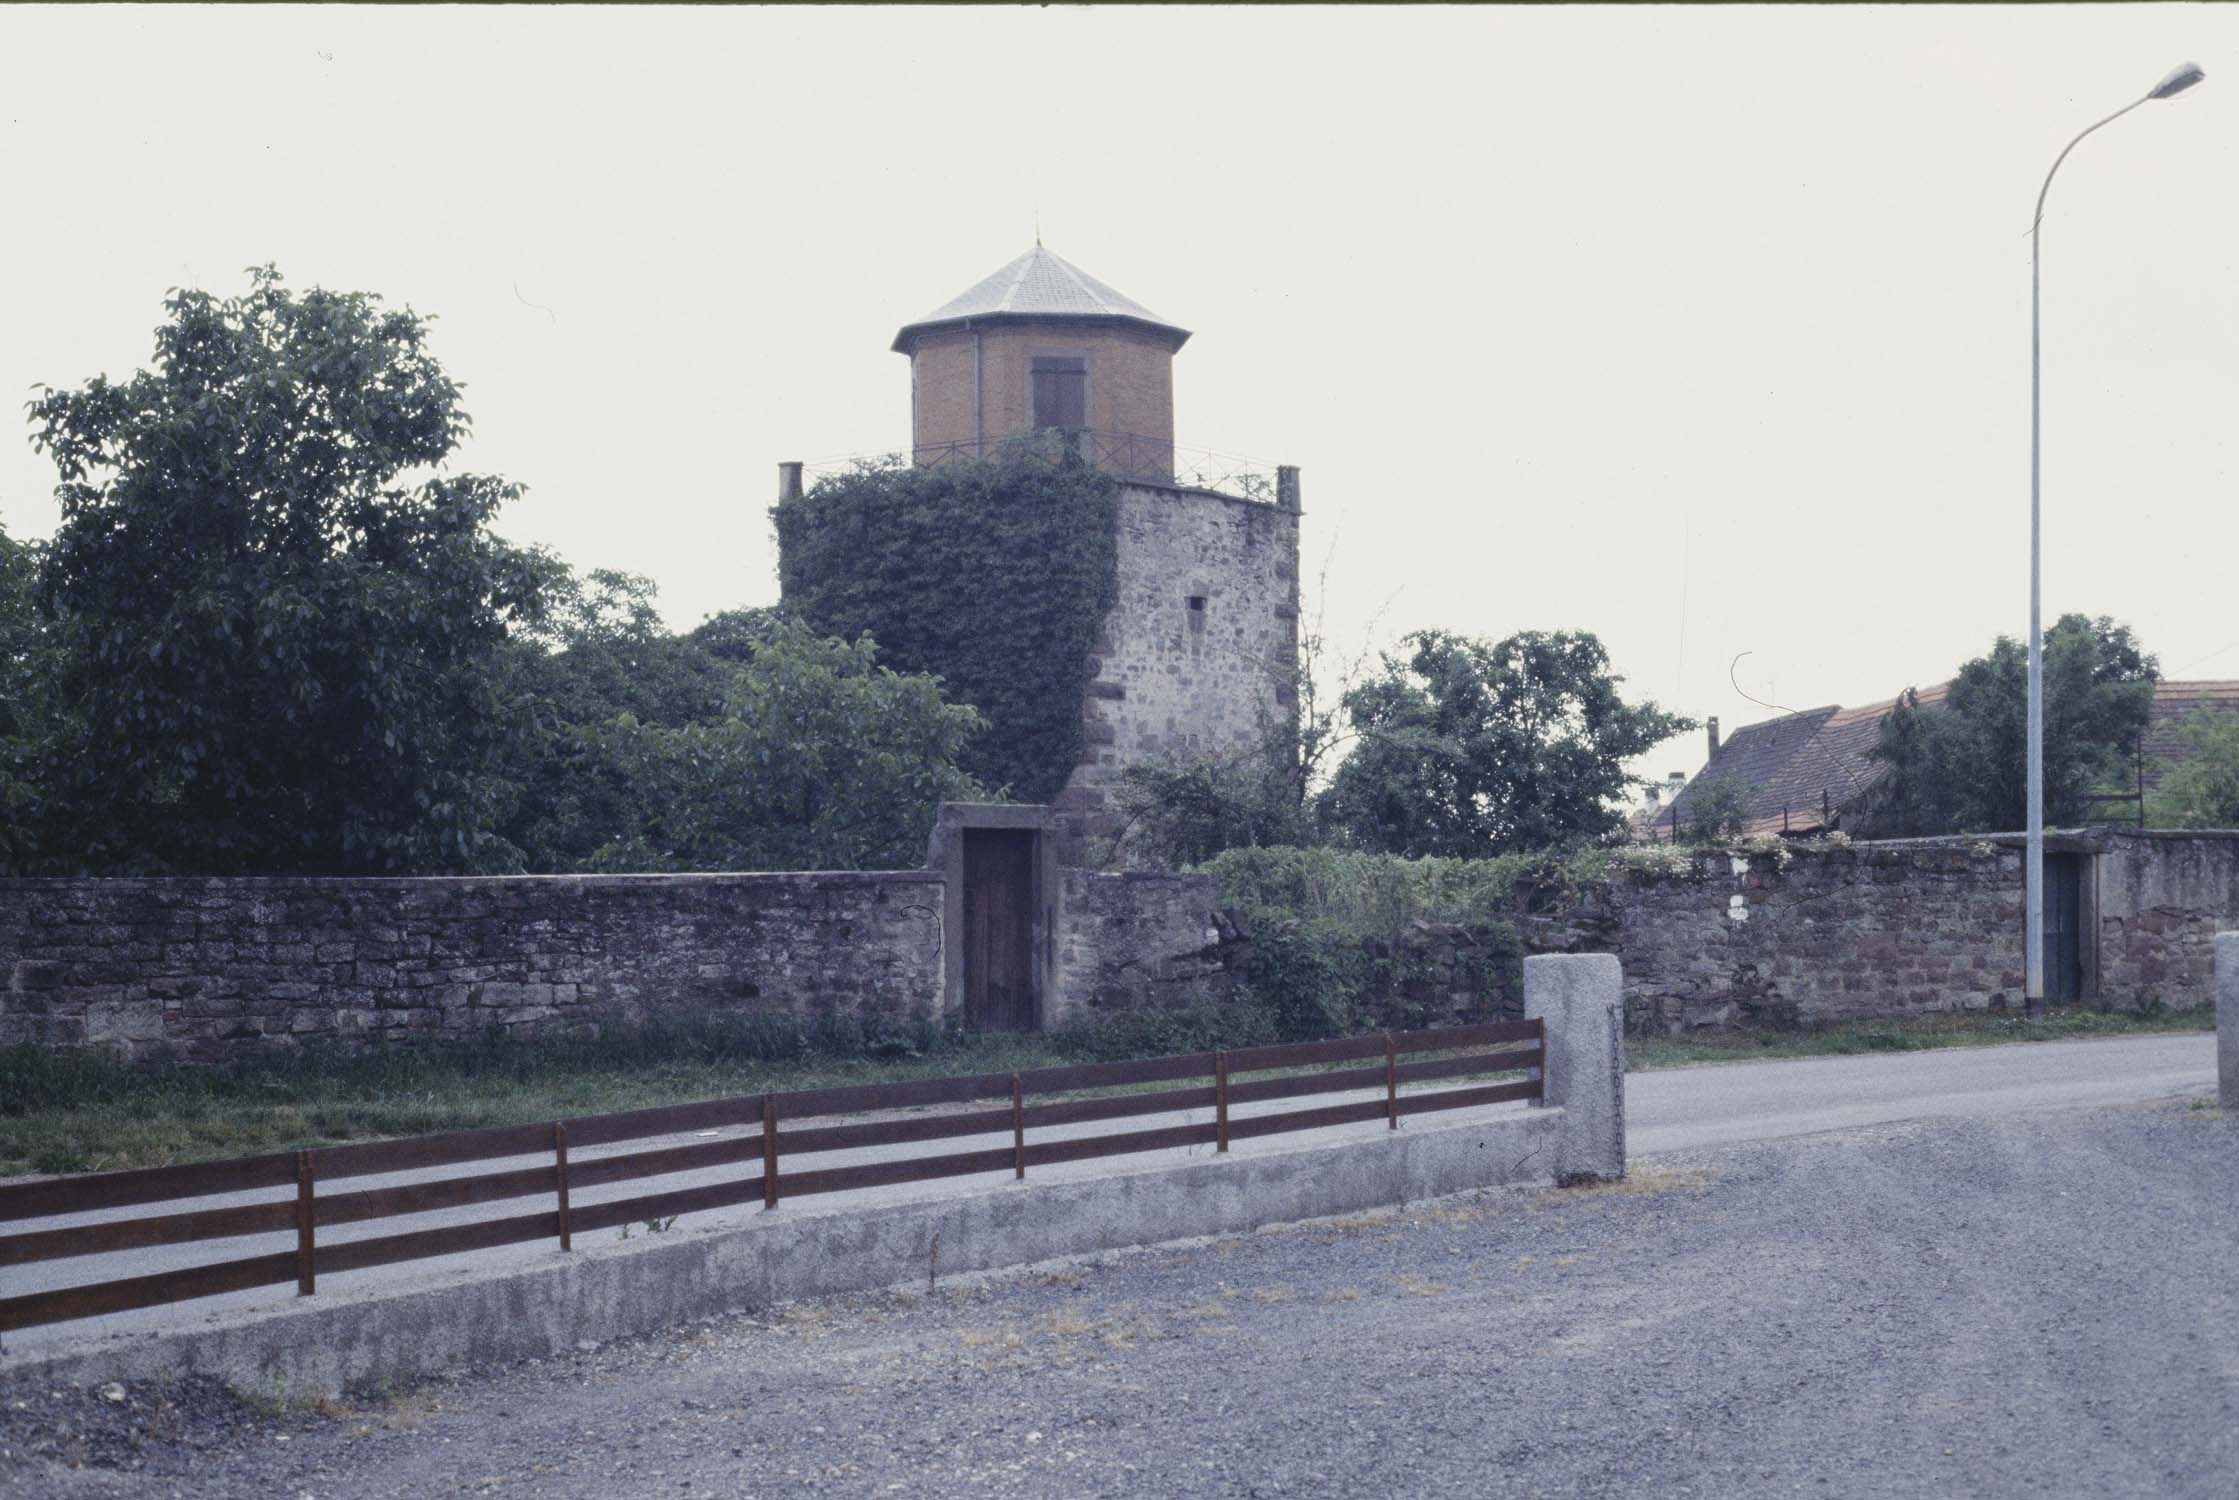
x: 995, y: 574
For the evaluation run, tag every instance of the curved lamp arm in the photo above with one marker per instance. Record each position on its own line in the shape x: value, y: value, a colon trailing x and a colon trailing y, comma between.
x: 2180, y: 78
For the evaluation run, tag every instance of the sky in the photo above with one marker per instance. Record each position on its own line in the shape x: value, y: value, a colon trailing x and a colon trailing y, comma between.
x: 1706, y: 330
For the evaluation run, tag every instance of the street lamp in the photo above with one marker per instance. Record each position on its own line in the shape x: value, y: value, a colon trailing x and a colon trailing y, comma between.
x: 2033, y: 870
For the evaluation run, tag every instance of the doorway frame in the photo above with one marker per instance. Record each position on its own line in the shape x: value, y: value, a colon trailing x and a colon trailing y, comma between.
x: 2088, y: 875
x: 945, y: 856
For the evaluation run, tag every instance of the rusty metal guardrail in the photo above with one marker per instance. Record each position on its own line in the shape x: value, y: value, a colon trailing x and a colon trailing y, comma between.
x: 771, y: 1133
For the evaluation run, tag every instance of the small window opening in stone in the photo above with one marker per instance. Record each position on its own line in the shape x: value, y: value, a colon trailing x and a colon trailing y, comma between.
x: 1197, y: 611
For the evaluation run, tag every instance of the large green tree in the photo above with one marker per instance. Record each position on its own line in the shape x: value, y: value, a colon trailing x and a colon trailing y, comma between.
x: 280, y: 621
x: 601, y: 654
x: 1962, y: 766
x: 30, y: 725
x: 2202, y: 789
x: 821, y: 759
x: 1472, y: 748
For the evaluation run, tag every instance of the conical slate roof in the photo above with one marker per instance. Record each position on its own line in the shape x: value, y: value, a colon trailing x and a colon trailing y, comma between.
x: 1039, y: 285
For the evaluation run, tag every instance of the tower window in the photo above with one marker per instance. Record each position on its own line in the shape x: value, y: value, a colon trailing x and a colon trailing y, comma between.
x: 1197, y: 611
x: 1060, y: 392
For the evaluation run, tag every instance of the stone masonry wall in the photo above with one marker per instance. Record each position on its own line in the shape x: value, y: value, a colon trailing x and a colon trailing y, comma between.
x: 1176, y: 681
x: 1912, y: 926
x: 1134, y: 940
x: 1869, y: 932
x: 209, y: 968
x: 2161, y: 898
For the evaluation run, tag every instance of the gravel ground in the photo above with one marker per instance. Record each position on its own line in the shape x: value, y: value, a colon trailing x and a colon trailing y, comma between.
x: 2041, y: 1305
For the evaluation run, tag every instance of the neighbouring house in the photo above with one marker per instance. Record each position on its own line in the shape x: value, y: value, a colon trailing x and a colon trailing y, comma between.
x: 1802, y: 771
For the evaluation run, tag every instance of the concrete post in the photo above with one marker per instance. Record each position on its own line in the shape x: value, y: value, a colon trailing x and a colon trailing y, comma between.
x: 2227, y: 1018
x: 1580, y: 997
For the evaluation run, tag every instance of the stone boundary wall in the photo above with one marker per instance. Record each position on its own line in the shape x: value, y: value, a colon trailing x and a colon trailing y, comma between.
x: 1127, y: 941
x: 208, y: 968
x: 212, y: 968
x: 1901, y: 927
x: 1866, y: 931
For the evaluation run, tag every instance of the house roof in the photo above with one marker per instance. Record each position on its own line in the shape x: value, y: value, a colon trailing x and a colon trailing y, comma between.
x: 1794, y: 767
x: 2174, y: 706
x: 1039, y: 285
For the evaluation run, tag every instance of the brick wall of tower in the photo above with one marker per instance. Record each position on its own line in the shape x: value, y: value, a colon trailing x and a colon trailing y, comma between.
x: 1130, y: 381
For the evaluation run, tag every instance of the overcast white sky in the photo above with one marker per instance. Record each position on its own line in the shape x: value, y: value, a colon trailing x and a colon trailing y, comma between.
x: 1706, y: 330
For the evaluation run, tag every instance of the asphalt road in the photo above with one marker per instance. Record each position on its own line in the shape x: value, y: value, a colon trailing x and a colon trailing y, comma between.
x: 2036, y: 1296
x: 1725, y: 1103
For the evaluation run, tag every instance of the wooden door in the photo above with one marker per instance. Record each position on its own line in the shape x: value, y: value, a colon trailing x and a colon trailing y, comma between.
x: 2063, y: 928
x: 999, y: 929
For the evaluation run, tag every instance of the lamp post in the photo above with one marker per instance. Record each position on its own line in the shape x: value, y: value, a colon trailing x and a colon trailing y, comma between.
x: 2033, y: 868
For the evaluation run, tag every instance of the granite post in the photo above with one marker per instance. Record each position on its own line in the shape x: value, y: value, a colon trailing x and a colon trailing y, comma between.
x: 1580, y: 998
x: 2227, y: 1019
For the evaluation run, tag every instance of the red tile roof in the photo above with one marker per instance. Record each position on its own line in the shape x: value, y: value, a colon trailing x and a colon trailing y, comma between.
x: 2174, y: 706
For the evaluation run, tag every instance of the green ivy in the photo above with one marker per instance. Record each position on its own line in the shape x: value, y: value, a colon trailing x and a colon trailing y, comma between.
x: 1331, y: 951
x: 1378, y: 895
x: 994, y: 574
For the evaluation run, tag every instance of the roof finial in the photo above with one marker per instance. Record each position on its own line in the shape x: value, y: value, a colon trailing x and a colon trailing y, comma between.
x: 1037, y: 226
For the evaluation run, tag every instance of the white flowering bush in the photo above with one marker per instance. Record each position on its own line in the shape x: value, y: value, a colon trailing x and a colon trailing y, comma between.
x: 1651, y: 861
x: 1982, y: 848
x: 1835, y: 839
x: 1769, y: 843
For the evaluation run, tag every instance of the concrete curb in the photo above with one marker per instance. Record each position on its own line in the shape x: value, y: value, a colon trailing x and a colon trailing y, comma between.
x: 621, y: 1288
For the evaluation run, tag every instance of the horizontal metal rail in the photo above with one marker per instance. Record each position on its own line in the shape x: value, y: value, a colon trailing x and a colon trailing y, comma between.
x: 770, y: 1130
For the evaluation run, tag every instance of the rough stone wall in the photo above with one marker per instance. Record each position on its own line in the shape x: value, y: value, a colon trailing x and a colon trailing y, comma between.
x: 1914, y: 926
x: 209, y: 968
x: 1174, y: 681
x: 1130, y: 381
x: 2161, y: 899
x: 1870, y: 931
x: 1134, y: 940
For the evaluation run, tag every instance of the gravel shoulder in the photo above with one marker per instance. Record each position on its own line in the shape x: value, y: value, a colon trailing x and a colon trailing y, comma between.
x: 2042, y: 1304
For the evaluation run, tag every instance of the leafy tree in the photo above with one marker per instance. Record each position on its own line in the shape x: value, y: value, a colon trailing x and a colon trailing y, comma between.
x: 29, y: 710
x: 1183, y: 812
x: 1962, y: 767
x: 1717, y: 810
x: 605, y: 651
x: 2202, y: 790
x: 822, y: 759
x: 601, y: 654
x: 733, y: 634
x: 280, y: 626
x: 1471, y: 748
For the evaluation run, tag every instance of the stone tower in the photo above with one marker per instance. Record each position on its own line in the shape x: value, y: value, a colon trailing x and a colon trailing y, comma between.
x: 1199, y: 656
